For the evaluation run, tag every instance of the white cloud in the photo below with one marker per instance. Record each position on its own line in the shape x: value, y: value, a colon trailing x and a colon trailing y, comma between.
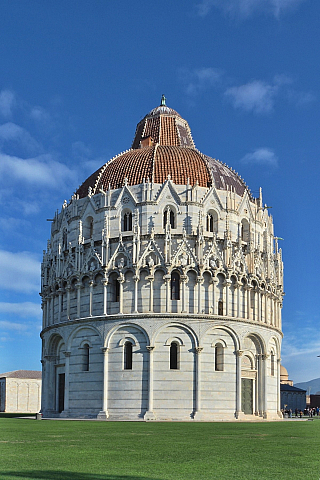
x: 39, y: 114
x: 10, y: 132
x: 17, y: 327
x: 245, y: 8
x: 261, y: 156
x: 20, y: 272
x: 23, y: 309
x: 199, y: 80
x: 255, y: 96
x: 7, y: 103
x: 301, y: 99
x: 41, y: 171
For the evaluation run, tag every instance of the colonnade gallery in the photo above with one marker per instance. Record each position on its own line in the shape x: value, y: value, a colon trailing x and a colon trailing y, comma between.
x: 162, y: 288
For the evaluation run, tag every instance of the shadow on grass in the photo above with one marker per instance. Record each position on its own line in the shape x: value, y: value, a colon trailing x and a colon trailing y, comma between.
x: 60, y: 475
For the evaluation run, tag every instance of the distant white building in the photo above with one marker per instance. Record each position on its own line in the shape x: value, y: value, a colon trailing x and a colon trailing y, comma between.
x: 20, y: 391
x: 162, y: 289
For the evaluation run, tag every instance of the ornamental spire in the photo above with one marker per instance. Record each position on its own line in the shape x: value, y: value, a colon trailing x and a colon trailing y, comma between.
x: 163, y: 101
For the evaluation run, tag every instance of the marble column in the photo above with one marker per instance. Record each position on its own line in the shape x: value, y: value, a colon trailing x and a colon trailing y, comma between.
x: 226, y: 285
x: 104, y: 282
x: 151, y: 280
x: 278, y: 388
x: 249, y: 316
x: 198, y: 351
x: 238, y: 354
x: 214, y: 295
x: 199, y: 282
x: 91, y: 285
x: 136, y: 279
x: 183, y: 280
x: 65, y: 412
x: 149, y: 415
x: 68, y: 289
x: 121, y: 281
x: 167, y: 279
x: 238, y: 287
x: 265, y: 384
x: 103, y: 414
x: 79, y: 286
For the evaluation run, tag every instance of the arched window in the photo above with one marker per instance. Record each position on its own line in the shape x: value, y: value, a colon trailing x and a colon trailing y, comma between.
x: 127, y: 221
x: 245, y: 230
x: 174, y: 356
x: 168, y: 217
x: 114, y: 288
x: 220, y: 307
x: 127, y: 356
x: 88, y: 228
x: 218, y: 358
x: 175, y: 286
x: 272, y: 365
x: 86, y: 358
x: 212, y: 222
x: 65, y: 239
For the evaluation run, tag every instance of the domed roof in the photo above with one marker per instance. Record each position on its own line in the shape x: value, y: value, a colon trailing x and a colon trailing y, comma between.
x: 284, y: 372
x: 163, y: 146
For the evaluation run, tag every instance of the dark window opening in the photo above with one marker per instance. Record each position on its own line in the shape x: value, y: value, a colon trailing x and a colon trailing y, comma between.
x: 174, y: 356
x: 115, y: 290
x: 218, y: 358
x: 168, y: 216
x: 128, y: 356
x: 86, y: 354
x: 220, y: 307
x: 175, y: 286
x: 127, y: 222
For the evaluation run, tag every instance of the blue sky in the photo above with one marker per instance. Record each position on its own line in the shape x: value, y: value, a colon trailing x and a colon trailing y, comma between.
x: 77, y: 76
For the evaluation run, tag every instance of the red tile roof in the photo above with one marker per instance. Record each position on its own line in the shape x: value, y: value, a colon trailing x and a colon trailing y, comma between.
x: 22, y: 374
x: 172, y: 152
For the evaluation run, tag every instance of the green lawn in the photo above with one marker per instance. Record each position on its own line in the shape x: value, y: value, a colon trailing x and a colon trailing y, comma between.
x: 91, y: 450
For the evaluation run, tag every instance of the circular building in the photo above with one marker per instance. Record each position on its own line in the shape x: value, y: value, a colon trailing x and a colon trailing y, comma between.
x: 162, y: 289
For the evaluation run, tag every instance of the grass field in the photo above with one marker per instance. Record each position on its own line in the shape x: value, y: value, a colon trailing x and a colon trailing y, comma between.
x: 90, y: 450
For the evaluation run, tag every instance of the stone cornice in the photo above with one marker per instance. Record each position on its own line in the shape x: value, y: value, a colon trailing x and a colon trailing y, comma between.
x: 125, y: 317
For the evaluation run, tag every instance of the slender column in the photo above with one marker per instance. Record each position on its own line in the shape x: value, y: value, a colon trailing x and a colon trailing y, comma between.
x: 238, y: 382
x: 151, y: 280
x: 68, y: 289
x: 52, y: 308
x: 259, y: 304
x: 121, y: 280
x: 149, y: 415
x: 265, y: 385
x: 238, y: 287
x: 183, y: 279
x: 214, y: 295
x: 65, y: 412
x: 227, y: 284
x: 278, y: 388
x: 59, y: 304
x: 47, y: 311
x: 248, y: 303
x: 259, y: 406
x: 103, y: 414
x: 136, y: 281
x: 198, y: 351
x: 167, y: 279
x: 199, y: 282
x: 79, y: 286
x: 91, y: 284
x: 105, y: 295
x: 280, y: 315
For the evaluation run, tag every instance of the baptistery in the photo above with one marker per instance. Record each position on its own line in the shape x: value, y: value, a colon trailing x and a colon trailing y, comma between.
x: 162, y: 288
